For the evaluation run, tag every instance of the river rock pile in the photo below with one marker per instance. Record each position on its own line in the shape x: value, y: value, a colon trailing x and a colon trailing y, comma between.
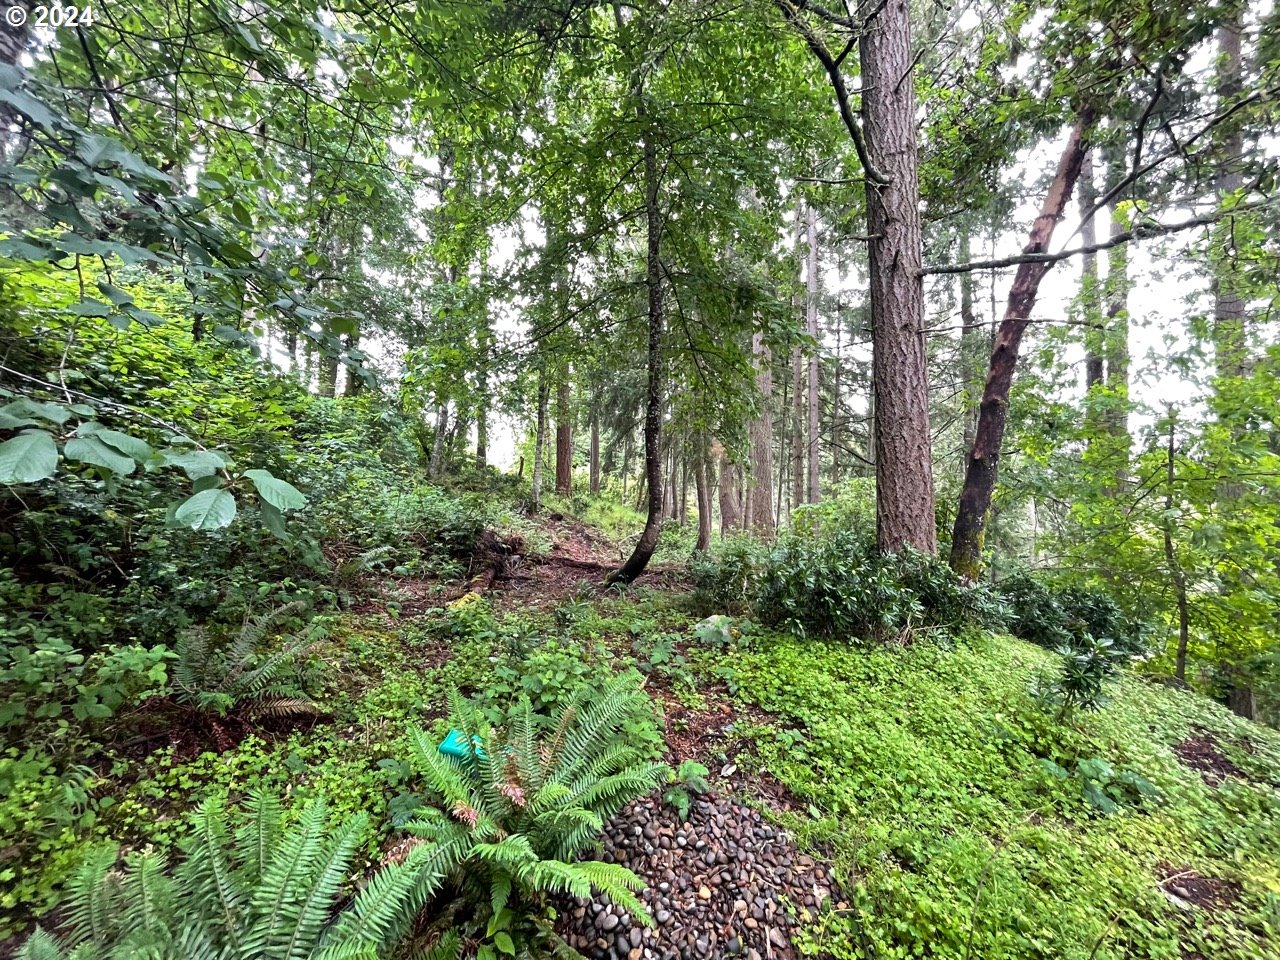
x: 726, y: 883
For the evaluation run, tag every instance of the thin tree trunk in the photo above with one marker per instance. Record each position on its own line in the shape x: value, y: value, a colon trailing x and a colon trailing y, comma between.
x: 836, y: 399
x: 704, y: 496
x: 973, y: 348
x: 1094, y: 337
x: 795, y: 428
x: 969, y: 533
x: 904, y: 464
x: 436, y: 466
x: 760, y: 504
x: 1175, y: 570
x: 564, y: 439
x: 1117, y: 330
x: 595, y: 442
x: 355, y: 382
x: 654, y: 395
x: 811, y: 324
x: 540, y: 437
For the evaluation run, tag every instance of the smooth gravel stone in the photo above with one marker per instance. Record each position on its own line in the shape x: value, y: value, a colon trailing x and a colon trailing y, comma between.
x: 703, y: 948
x: 662, y: 916
x: 734, y: 946
x: 635, y: 937
x: 624, y: 944
x: 609, y: 921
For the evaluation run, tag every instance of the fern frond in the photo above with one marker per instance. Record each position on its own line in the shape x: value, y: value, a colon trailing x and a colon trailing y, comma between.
x: 93, y: 894
x: 41, y: 946
x: 393, y: 896
x: 292, y: 864
x: 257, y: 839
x: 206, y: 873
x: 149, y: 897
x: 445, y: 776
x: 449, y: 947
x: 279, y: 707
x: 619, y: 884
x: 311, y: 908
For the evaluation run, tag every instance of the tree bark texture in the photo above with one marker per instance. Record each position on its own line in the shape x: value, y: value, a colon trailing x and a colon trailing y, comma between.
x: 1117, y: 329
x: 540, y: 437
x: 1094, y: 336
x: 654, y: 393
x: 981, y: 472
x: 760, y: 504
x: 595, y: 443
x: 796, y: 428
x: 564, y: 439
x: 704, y: 496
x: 904, y: 463
x: 973, y: 349
x: 814, y: 493
x: 729, y: 487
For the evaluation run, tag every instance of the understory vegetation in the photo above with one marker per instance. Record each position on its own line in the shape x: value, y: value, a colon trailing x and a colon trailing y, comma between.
x: 553, y: 479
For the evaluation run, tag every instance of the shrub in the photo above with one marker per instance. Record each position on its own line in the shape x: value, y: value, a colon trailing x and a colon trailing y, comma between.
x: 725, y: 580
x: 1070, y: 617
x: 513, y: 818
x: 264, y: 891
x: 840, y: 585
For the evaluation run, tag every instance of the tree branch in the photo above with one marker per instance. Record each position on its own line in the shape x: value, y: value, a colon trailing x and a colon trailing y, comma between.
x: 1141, y: 232
x: 790, y: 10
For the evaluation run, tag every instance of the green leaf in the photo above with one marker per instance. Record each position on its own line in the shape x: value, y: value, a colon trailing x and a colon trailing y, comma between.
x: 27, y: 458
x: 130, y: 446
x: 273, y: 520
x: 94, y: 451
x: 195, y: 463
x: 504, y: 943
x: 207, y: 510
x: 278, y: 493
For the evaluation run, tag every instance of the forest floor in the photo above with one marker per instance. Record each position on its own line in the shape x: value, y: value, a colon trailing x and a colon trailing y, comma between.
x: 863, y: 801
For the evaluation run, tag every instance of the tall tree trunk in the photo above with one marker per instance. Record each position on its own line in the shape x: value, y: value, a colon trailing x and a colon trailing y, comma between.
x: 904, y: 463
x: 836, y: 399
x: 795, y: 427
x: 564, y: 439
x: 1117, y: 329
x: 436, y: 467
x: 355, y: 382
x: 760, y: 495
x: 682, y: 507
x: 654, y: 398
x: 595, y: 442
x: 483, y: 399
x: 730, y: 483
x: 291, y: 347
x: 811, y: 325
x: 540, y: 437
x: 1175, y: 569
x: 1230, y: 337
x: 974, y: 345
x: 704, y: 495
x: 1094, y: 337
x: 969, y: 533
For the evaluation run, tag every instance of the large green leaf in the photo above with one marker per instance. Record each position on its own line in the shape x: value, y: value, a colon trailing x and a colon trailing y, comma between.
x: 28, y: 457
x: 94, y: 451
x: 130, y: 446
x: 279, y: 493
x: 196, y: 463
x: 207, y: 510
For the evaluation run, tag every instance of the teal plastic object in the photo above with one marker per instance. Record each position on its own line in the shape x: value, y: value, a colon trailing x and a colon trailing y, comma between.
x: 456, y: 745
